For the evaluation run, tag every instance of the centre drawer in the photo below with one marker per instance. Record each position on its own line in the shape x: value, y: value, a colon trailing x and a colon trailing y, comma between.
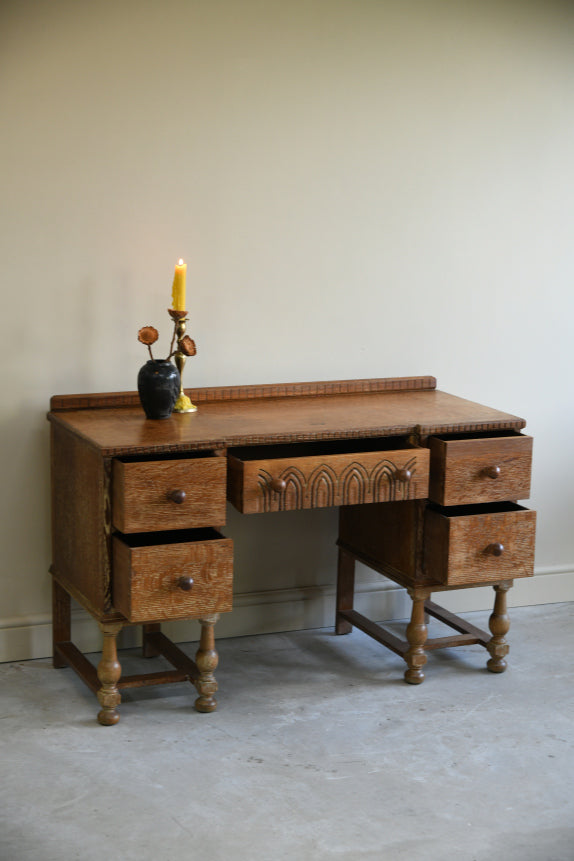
x: 468, y: 469
x: 173, y: 493
x: 474, y: 544
x: 188, y: 574
x: 287, y: 478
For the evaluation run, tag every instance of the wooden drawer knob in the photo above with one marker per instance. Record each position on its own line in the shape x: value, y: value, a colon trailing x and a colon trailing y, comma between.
x: 177, y: 496
x: 492, y: 471
x: 496, y: 549
x: 185, y: 583
x: 403, y: 475
x: 278, y: 485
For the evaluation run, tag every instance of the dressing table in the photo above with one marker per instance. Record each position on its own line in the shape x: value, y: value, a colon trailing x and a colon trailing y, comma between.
x: 426, y: 484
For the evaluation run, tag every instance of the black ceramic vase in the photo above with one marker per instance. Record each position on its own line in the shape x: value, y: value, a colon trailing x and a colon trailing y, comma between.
x: 158, y: 387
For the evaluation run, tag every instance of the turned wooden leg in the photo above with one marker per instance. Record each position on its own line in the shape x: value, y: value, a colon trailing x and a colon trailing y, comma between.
x: 415, y: 656
x: 109, y: 672
x: 345, y: 590
x: 61, y: 621
x: 149, y: 650
x: 207, y: 659
x: 499, y: 625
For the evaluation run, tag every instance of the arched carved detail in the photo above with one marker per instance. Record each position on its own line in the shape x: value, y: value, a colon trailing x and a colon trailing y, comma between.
x: 323, y: 483
x: 354, y: 485
x: 322, y: 487
x: 381, y: 481
x: 292, y: 497
x: 386, y: 487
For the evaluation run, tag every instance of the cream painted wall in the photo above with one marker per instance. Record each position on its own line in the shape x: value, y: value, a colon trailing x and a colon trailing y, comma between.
x: 360, y: 188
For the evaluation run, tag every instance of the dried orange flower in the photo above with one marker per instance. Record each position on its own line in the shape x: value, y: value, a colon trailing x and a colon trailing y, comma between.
x: 187, y: 346
x: 148, y: 335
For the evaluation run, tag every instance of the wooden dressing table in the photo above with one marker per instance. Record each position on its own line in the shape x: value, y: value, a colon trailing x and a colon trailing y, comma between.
x: 426, y: 484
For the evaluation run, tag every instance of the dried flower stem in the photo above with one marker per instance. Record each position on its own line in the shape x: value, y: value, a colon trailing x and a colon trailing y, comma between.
x: 148, y: 335
x: 172, y: 352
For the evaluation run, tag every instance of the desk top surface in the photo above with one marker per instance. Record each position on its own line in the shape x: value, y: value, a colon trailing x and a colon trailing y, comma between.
x: 115, y: 423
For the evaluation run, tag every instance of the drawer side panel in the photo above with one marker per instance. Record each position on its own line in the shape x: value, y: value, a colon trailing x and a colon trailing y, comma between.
x: 385, y: 534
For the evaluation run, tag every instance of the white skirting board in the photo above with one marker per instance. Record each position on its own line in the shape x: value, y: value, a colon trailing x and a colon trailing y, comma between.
x: 27, y: 637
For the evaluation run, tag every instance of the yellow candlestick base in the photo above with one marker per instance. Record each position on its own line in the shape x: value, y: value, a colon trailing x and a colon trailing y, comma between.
x: 184, y: 405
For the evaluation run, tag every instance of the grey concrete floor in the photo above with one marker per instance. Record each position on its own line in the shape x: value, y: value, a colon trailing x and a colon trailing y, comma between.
x: 318, y: 750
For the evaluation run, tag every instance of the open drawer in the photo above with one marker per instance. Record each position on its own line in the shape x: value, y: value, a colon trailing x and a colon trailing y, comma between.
x: 318, y: 475
x: 468, y: 469
x: 173, y: 575
x: 472, y: 544
x: 181, y: 492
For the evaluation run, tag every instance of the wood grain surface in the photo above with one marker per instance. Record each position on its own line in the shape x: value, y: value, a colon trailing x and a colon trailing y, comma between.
x: 242, y: 393
x: 297, y: 418
x: 480, y: 470
x: 456, y: 545
x: 142, y: 494
x: 80, y: 519
x: 320, y: 481
x: 146, y: 578
x: 387, y: 534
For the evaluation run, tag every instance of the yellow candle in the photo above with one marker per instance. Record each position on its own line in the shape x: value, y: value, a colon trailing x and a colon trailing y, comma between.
x: 178, y: 289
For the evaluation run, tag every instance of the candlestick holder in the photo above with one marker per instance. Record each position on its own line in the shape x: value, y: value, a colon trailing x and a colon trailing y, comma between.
x: 183, y: 403
x: 157, y: 386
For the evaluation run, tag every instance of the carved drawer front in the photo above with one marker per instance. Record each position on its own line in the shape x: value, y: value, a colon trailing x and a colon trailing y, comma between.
x: 479, y: 543
x: 290, y: 479
x: 181, y: 493
x: 486, y: 469
x: 190, y: 574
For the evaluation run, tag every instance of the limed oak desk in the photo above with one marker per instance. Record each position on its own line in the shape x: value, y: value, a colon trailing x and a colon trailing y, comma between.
x: 426, y: 484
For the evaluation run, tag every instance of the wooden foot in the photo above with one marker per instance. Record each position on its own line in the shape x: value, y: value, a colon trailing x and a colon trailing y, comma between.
x: 499, y: 625
x: 415, y: 656
x: 207, y: 659
x: 109, y: 672
x: 61, y: 621
x: 148, y: 648
x: 345, y: 590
